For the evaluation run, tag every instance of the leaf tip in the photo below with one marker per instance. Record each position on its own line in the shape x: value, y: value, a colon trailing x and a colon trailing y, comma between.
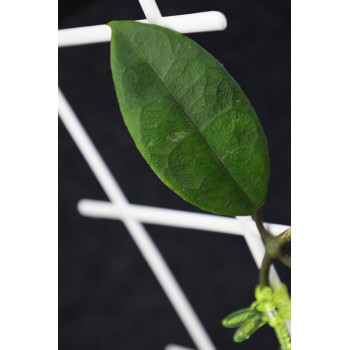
x: 238, y: 338
x: 224, y: 322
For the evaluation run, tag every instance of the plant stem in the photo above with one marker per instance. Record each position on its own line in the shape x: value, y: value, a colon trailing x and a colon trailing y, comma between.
x: 285, y: 260
x: 276, y: 247
x: 264, y: 270
x: 260, y: 225
x: 284, y: 239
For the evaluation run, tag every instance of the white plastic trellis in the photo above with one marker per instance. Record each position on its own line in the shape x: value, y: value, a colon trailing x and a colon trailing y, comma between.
x: 118, y: 208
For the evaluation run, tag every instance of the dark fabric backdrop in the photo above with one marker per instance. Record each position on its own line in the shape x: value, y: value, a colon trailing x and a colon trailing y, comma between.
x: 108, y: 296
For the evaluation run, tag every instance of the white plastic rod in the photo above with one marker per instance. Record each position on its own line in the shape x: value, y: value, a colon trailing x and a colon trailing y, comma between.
x: 176, y: 347
x: 147, y: 247
x: 84, y: 35
x: 190, y: 23
x: 169, y: 284
x: 171, y: 217
x: 89, y: 151
x: 151, y: 10
x: 195, y: 22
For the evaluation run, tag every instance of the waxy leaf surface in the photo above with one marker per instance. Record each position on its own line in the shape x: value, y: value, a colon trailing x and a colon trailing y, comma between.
x: 189, y: 119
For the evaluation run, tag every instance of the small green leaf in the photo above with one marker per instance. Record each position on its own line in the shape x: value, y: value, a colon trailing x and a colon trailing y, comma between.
x: 237, y: 318
x: 248, y: 328
x: 189, y: 119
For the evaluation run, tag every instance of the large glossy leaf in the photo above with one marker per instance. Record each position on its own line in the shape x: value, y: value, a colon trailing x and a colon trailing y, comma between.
x: 189, y: 119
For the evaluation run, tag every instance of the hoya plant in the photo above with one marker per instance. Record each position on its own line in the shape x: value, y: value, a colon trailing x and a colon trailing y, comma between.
x: 197, y: 130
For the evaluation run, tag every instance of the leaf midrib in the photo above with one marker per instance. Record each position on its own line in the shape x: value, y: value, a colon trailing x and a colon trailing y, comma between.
x: 213, y: 152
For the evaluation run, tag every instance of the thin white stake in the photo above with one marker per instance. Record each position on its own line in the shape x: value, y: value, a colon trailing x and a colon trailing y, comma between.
x: 176, y: 347
x: 151, y: 10
x: 189, y: 23
x: 147, y: 247
x: 171, y: 217
x: 84, y: 35
x: 195, y: 22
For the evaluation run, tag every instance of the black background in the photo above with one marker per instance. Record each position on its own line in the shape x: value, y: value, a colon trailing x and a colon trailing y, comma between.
x: 108, y: 297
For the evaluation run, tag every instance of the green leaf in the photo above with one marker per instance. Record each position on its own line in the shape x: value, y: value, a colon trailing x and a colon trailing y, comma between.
x: 248, y: 328
x: 189, y: 119
x: 238, y: 318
